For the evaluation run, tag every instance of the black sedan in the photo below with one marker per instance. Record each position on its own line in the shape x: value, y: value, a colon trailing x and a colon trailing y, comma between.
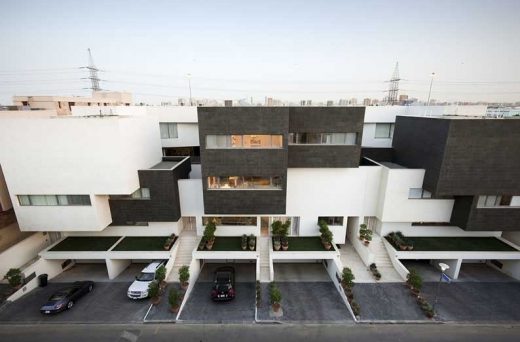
x: 65, y: 298
x: 224, y: 284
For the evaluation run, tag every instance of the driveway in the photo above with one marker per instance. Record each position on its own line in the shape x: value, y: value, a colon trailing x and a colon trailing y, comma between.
x: 387, y: 302
x: 106, y: 304
x: 476, y: 301
x: 200, y: 308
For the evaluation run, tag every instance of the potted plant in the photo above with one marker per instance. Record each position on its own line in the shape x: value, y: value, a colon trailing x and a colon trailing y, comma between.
x: 275, y: 296
x: 169, y: 242
x: 326, y: 239
x: 14, y: 277
x: 258, y: 293
x: 285, y: 243
x: 184, y: 276
x: 153, y: 292
x: 411, y: 274
x: 362, y: 231
x: 160, y: 274
x: 347, y: 279
x: 244, y: 242
x: 416, y: 284
x: 252, y: 242
x: 173, y: 300
x: 277, y: 243
x: 355, y: 308
x: 209, y: 234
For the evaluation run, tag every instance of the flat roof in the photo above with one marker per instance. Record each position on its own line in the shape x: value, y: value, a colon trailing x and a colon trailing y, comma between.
x: 391, y: 165
x: 165, y: 165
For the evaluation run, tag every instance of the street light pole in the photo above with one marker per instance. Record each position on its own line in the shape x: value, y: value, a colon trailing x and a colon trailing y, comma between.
x: 430, y: 92
x: 189, y: 85
x: 443, y: 267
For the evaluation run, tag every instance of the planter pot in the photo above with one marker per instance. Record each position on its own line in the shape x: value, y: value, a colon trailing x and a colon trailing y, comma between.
x: 410, y: 248
x: 276, y: 307
x: 402, y: 248
x: 276, y: 247
x: 251, y: 248
x: 174, y: 309
x: 244, y: 247
x: 285, y: 247
x: 184, y: 285
x: 156, y: 300
x: 366, y: 242
x: 415, y: 292
x: 327, y: 245
x: 209, y: 246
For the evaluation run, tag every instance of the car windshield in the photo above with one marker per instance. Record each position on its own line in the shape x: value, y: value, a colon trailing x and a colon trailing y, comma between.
x: 223, y: 277
x: 62, y: 294
x: 145, y: 276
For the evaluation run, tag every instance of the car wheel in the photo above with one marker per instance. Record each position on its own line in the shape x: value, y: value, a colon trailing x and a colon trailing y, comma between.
x: 90, y: 287
x: 70, y: 304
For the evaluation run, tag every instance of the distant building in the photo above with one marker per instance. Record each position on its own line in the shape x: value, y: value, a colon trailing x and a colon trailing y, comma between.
x: 228, y: 103
x: 502, y: 112
x: 353, y: 101
x: 63, y: 104
x: 343, y: 102
x: 330, y: 103
x: 366, y: 102
x: 302, y: 103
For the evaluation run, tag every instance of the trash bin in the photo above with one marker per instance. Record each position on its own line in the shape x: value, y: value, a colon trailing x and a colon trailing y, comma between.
x: 42, y: 280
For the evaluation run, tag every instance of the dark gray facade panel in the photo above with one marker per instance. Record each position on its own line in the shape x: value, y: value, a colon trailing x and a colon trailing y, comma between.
x: 420, y: 143
x: 243, y: 162
x: 327, y: 120
x: 244, y: 202
x: 324, y: 156
x: 461, y: 210
x: 494, y: 219
x: 482, y: 157
x: 378, y: 154
x: 164, y: 203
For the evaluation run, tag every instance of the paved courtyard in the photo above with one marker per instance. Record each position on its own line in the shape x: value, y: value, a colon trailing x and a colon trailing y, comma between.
x: 200, y: 308
x: 387, y: 301
x: 476, y: 301
x: 307, y: 302
x: 107, y: 303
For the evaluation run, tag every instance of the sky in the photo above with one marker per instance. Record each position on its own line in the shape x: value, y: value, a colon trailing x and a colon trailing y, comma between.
x: 290, y: 50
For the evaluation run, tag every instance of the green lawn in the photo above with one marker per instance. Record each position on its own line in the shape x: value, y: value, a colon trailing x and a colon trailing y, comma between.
x: 307, y: 243
x: 85, y: 243
x: 228, y: 243
x: 464, y: 244
x: 141, y: 243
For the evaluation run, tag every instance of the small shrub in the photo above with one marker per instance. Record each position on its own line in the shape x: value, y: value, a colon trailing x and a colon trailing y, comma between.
x: 274, y: 294
x: 160, y: 273
x: 356, y: 309
x: 184, y: 274
x: 209, y: 231
x: 14, y: 277
x: 347, y: 278
x: 173, y: 297
x: 414, y: 280
x: 153, y: 289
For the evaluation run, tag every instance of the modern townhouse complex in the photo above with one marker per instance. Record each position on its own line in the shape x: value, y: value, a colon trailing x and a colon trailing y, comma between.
x: 109, y: 185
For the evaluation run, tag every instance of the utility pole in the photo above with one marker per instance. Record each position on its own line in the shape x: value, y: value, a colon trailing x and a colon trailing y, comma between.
x: 93, y: 73
x: 189, y: 86
x: 430, y: 92
x: 393, y: 89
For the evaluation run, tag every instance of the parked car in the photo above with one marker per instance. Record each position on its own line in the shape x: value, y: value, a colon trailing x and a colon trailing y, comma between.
x: 139, y: 288
x: 65, y: 298
x: 224, y: 284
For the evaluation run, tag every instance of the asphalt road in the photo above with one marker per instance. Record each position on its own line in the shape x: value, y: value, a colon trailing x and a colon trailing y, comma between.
x: 258, y: 332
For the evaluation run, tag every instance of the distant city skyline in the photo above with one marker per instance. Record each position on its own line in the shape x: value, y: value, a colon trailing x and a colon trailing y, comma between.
x: 289, y: 51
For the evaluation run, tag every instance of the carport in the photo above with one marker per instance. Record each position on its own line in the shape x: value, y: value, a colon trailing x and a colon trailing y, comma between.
x: 200, y: 307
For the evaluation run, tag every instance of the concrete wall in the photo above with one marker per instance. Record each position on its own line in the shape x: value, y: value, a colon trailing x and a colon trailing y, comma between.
x: 5, y: 200
x: 115, y: 267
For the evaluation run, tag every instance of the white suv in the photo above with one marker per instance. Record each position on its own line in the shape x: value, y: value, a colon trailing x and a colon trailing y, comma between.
x: 139, y: 288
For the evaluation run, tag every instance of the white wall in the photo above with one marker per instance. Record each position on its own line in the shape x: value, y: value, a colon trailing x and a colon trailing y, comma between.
x: 116, y: 266
x: 153, y: 229
x: 190, y: 196
x: 21, y: 253
x: 5, y: 200
x: 369, y: 139
x: 196, y: 172
x: 395, y: 206
x: 188, y: 135
x: 408, y: 230
x: 74, y: 155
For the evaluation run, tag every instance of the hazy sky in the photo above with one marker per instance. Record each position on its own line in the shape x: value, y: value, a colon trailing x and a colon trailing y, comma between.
x: 285, y: 49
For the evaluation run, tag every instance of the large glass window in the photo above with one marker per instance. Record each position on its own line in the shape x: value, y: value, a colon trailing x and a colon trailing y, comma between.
x: 230, y: 220
x: 384, y: 130
x: 498, y: 201
x: 244, y: 141
x: 332, y: 220
x: 168, y: 130
x: 53, y: 200
x: 323, y: 138
x: 244, y: 182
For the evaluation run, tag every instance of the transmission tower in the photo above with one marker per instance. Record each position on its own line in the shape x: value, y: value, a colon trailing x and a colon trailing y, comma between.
x: 93, y: 72
x: 393, y: 89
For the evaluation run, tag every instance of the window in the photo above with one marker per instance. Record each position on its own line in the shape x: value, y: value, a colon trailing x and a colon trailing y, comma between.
x: 384, y: 130
x: 141, y: 193
x: 322, y: 138
x: 168, y: 130
x: 491, y: 201
x: 230, y: 220
x: 419, y: 193
x: 244, y: 141
x: 244, y: 182
x: 332, y: 220
x: 53, y: 200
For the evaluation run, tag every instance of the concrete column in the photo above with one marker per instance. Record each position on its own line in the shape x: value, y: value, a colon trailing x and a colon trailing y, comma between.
x: 116, y: 266
x: 453, y: 271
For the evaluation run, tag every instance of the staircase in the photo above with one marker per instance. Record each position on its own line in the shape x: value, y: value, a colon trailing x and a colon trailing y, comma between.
x: 188, y: 240
x: 263, y: 245
x: 378, y: 249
